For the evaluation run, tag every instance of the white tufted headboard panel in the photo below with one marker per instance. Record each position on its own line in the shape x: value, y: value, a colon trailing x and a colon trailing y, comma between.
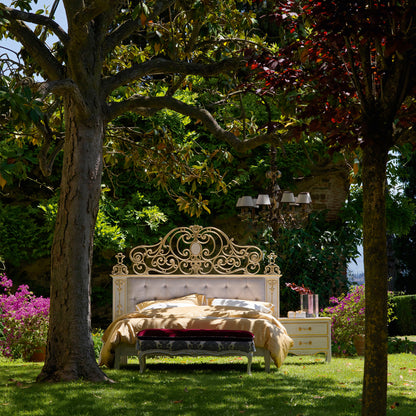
x: 200, y: 267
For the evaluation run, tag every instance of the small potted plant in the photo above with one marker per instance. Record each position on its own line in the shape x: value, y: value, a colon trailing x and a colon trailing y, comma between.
x: 25, y: 321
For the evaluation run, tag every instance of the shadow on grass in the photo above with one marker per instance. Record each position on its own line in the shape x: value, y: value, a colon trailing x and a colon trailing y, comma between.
x: 192, y: 388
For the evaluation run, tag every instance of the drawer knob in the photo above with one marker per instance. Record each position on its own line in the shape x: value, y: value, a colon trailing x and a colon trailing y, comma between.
x: 307, y: 343
x: 305, y: 328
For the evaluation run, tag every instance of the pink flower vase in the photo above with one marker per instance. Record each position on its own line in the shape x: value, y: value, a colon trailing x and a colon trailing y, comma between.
x: 309, y: 303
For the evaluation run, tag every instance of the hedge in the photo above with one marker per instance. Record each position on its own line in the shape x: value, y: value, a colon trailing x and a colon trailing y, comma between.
x: 405, y: 311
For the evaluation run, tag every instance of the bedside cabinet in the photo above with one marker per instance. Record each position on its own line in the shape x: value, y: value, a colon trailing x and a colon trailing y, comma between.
x: 310, y: 335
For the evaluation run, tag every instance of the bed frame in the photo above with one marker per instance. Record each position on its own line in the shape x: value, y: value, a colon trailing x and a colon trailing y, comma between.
x: 190, y: 260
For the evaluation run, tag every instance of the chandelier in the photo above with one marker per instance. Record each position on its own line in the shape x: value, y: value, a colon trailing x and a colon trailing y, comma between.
x: 279, y: 208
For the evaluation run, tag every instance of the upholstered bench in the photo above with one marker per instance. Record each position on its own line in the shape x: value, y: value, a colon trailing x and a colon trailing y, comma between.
x: 194, y: 342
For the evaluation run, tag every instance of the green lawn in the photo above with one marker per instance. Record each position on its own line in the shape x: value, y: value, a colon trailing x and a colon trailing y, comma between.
x: 206, y: 386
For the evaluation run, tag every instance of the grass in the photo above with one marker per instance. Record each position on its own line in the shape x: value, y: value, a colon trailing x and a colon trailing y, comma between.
x: 185, y: 386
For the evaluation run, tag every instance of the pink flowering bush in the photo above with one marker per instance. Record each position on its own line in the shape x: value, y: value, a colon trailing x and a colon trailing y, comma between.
x: 348, y: 319
x: 24, y: 320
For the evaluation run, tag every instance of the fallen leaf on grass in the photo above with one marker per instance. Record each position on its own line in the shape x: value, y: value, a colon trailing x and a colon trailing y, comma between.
x: 394, y: 405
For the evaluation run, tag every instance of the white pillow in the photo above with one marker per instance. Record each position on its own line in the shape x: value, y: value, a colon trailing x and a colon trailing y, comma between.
x: 162, y: 305
x: 248, y: 304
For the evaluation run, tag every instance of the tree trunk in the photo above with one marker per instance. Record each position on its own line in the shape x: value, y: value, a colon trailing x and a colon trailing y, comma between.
x: 70, y: 350
x: 375, y: 267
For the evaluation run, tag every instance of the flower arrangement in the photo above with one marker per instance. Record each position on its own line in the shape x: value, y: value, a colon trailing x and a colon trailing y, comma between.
x: 348, y: 319
x: 300, y: 289
x: 24, y: 320
x: 309, y: 302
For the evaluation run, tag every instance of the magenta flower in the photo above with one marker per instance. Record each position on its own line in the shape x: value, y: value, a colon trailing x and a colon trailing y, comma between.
x: 24, y: 320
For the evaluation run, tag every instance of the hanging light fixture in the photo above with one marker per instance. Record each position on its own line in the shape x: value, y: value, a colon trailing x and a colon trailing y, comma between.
x: 279, y: 209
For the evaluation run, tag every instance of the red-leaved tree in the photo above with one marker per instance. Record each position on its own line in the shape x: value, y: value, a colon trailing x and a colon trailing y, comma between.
x: 350, y: 69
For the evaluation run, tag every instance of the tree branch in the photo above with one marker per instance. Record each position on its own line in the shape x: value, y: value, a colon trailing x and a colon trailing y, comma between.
x: 37, y: 49
x: 66, y: 87
x: 90, y: 12
x: 39, y: 19
x: 142, y: 105
x: 130, y: 26
x: 161, y: 66
x: 354, y: 75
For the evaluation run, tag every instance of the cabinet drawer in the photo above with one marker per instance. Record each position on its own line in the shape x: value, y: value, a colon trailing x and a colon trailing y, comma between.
x: 305, y: 328
x: 310, y: 343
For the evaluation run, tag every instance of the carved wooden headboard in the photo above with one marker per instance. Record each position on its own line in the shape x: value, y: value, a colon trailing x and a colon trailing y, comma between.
x: 194, y: 259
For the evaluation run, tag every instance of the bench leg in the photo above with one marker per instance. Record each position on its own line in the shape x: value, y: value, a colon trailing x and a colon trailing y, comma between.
x: 142, y: 361
x: 249, y: 361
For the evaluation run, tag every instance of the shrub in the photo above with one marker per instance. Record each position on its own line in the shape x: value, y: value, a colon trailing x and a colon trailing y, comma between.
x: 398, y: 345
x: 97, y: 335
x: 24, y: 320
x: 348, y: 319
x: 405, y: 310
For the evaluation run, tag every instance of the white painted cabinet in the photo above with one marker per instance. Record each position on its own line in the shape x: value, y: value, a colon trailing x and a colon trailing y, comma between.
x: 310, y: 335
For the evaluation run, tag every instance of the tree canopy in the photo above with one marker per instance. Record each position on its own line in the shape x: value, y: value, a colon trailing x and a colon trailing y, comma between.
x: 116, y: 58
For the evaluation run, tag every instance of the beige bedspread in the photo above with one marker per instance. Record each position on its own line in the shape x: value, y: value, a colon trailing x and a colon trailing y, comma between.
x: 268, y: 331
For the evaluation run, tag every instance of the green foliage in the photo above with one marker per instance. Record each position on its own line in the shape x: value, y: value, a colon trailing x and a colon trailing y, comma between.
x: 404, y: 244
x: 24, y: 238
x: 132, y: 218
x: 400, y: 211
x: 404, y: 307
x: 120, y: 223
x: 315, y: 256
x: 397, y: 345
x: 98, y: 342
x: 15, y: 161
x: 19, y: 101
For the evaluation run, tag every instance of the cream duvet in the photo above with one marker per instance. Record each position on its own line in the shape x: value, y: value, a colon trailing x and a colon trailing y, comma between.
x: 269, y: 333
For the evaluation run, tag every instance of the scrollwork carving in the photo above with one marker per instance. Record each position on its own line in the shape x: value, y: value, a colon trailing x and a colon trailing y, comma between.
x: 120, y: 268
x: 272, y: 268
x: 195, y: 250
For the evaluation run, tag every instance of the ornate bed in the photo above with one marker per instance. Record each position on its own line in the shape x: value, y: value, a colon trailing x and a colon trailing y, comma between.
x: 195, y: 278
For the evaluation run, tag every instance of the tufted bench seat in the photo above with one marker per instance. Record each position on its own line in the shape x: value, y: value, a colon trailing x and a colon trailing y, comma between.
x: 194, y: 342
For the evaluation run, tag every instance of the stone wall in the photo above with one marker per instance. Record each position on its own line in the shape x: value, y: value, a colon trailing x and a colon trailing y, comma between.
x: 328, y: 186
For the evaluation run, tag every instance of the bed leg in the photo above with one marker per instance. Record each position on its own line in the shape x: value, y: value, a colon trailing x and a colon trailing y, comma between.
x: 267, y: 361
x: 117, y: 359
